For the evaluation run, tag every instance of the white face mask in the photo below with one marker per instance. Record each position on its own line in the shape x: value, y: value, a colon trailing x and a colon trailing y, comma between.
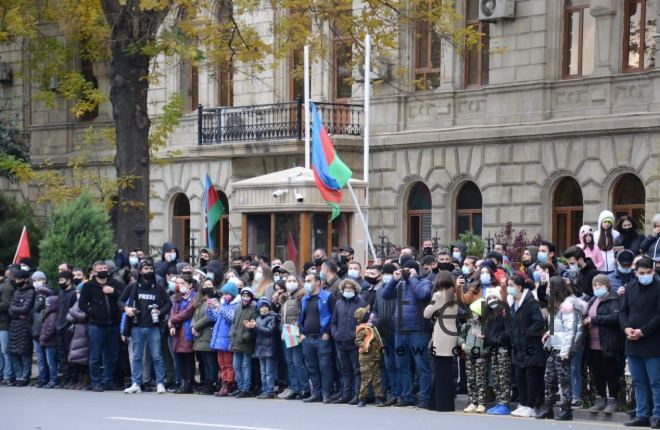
x: 353, y: 273
x: 276, y: 278
x: 38, y: 284
x: 291, y: 286
x: 183, y: 290
x: 258, y: 276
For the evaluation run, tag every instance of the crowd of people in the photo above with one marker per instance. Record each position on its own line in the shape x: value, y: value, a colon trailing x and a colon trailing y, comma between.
x: 413, y: 329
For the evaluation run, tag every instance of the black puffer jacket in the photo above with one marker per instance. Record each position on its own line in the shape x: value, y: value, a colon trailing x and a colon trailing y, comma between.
x: 607, y: 320
x: 20, y: 310
x: 526, y: 327
x: 495, y: 333
x: 630, y: 240
x: 343, y: 322
x: 6, y: 293
x: 266, y: 328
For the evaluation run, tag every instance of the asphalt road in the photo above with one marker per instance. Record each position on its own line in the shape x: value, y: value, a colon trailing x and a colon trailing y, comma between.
x: 40, y: 409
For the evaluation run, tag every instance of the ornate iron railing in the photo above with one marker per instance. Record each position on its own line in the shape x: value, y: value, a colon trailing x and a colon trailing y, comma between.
x: 278, y: 121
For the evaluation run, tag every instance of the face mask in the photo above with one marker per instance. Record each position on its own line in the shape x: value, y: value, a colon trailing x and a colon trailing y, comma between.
x: 171, y: 287
x: 574, y: 267
x: 624, y: 270
x: 246, y: 300
x: 465, y: 270
x: 77, y: 281
x: 387, y: 278
x: 626, y: 230
x: 62, y: 284
x: 371, y: 280
x: 103, y: 274
x: 645, y: 279
x: 24, y: 267
x: 133, y: 261
x: 276, y: 278
x: 291, y: 286
x: 344, y: 259
x: 196, y: 278
x: 446, y: 266
x: 428, y: 251
x: 493, y: 305
x: 149, y: 276
x: 38, y: 284
x: 435, y: 269
x: 353, y: 273
x: 511, y: 291
x: 323, y: 276
x: 537, y: 276
x: 183, y: 290
x: 170, y: 256
x: 211, y: 276
x: 237, y: 268
x: 251, y: 276
x: 456, y: 256
x: 319, y: 261
x: 258, y: 276
x: 264, y: 311
x: 485, y: 278
x: 203, y: 262
x: 208, y: 291
x: 308, y: 287
x: 348, y: 295
x: 600, y: 292
x: 542, y: 256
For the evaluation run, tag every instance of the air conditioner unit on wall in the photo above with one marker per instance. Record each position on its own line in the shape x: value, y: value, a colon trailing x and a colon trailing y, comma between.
x: 495, y: 10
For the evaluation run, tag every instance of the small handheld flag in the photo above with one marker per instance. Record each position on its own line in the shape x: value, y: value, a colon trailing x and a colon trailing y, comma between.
x: 213, y: 210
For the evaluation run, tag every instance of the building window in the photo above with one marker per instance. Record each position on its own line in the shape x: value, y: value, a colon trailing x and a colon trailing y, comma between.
x: 469, y: 209
x: 222, y: 230
x: 297, y: 75
x: 638, y: 28
x: 428, y: 51
x: 181, y: 225
x: 476, y: 57
x: 567, y: 211
x: 343, y: 69
x: 579, y: 39
x: 419, y: 215
x: 629, y: 198
x: 190, y: 85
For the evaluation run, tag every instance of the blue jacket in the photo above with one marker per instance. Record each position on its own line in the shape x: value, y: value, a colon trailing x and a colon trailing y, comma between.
x: 412, y: 297
x: 223, y: 317
x: 344, y: 322
x: 325, y: 313
x: 618, y: 279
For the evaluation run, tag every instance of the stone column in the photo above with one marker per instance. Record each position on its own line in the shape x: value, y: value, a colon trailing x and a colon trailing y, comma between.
x: 603, y: 12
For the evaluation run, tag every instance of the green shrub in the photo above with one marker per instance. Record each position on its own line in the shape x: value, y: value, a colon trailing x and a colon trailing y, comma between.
x: 475, y: 244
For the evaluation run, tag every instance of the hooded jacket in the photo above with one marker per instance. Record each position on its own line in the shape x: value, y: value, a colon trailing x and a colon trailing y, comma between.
x: 20, y: 311
x: 619, y: 279
x: 180, y: 317
x: 566, y: 328
x: 242, y: 338
x: 445, y: 329
x: 47, y: 336
x: 162, y: 267
x: 609, y: 257
x: 525, y: 327
x: 595, y: 254
x: 585, y: 278
x: 343, y: 322
x: 224, y: 318
x: 266, y: 328
x: 79, y: 348
x: 411, y: 297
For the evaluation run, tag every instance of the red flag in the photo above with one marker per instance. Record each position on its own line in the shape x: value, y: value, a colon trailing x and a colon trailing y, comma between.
x: 291, y: 250
x: 23, y: 249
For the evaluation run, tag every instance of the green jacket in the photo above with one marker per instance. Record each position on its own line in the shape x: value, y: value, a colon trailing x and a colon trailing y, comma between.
x: 242, y: 339
x: 468, y: 340
x: 202, y: 325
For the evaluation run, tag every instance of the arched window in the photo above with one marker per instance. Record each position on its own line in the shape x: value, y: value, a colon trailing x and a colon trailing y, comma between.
x: 629, y: 197
x: 468, y: 209
x: 222, y: 231
x: 181, y: 225
x: 566, y: 213
x: 419, y: 215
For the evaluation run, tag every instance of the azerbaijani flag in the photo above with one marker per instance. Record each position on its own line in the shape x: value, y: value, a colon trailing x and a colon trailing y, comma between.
x: 213, y: 210
x: 330, y: 173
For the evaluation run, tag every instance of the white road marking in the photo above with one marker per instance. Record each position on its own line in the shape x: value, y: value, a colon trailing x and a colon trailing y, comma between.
x: 189, y: 423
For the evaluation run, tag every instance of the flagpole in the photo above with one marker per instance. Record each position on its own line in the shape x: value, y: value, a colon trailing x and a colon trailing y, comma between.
x: 367, y: 98
x: 306, y: 91
x: 364, y: 221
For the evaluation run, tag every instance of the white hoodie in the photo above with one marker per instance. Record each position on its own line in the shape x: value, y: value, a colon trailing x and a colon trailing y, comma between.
x: 608, y: 256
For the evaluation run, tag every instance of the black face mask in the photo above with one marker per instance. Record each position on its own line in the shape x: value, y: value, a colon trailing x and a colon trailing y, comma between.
x: 344, y: 259
x: 446, y: 266
x: 62, y: 285
x: 319, y: 261
x: 203, y: 262
x: 208, y: 292
x: 149, y: 276
x: 435, y: 269
x: 77, y: 281
x: 428, y: 251
x: 627, y: 231
x: 18, y: 283
x: 527, y: 263
x: 371, y: 280
x: 103, y: 274
x: 251, y: 275
x: 237, y: 268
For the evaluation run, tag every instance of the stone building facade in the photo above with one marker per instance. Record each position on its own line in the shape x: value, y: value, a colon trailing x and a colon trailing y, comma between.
x: 556, y: 119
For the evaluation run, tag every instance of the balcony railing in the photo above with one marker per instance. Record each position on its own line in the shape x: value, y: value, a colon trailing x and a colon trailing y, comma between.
x: 278, y: 121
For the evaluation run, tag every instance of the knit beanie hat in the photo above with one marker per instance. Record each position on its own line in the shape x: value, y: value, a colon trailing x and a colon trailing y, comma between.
x: 601, y: 279
x: 230, y: 288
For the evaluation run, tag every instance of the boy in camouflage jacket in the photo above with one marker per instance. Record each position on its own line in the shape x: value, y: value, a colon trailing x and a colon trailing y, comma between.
x: 370, y: 347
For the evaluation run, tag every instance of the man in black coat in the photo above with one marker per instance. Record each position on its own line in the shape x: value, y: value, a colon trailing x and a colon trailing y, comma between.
x: 6, y: 293
x: 586, y: 270
x: 98, y: 299
x: 640, y: 320
x: 67, y: 298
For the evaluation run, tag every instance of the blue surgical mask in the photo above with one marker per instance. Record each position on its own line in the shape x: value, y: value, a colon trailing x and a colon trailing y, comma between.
x: 542, y: 256
x: 348, y: 295
x: 210, y: 275
x: 353, y: 273
x: 387, y: 278
x: 537, y: 276
x: 133, y: 261
x: 645, y: 279
x: 512, y: 291
x: 171, y: 287
x: 276, y: 277
x: 308, y: 287
x: 574, y: 267
x: 456, y: 256
x: 485, y: 278
x: 322, y: 276
x: 600, y: 292
x: 465, y: 270
x: 624, y: 270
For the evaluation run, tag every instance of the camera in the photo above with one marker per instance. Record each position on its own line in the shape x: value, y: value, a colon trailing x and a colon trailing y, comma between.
x: 136, y: 317
x: 154, y: 313
x: 278, y: 193
x: 300, y: 198
x: 405, y: 273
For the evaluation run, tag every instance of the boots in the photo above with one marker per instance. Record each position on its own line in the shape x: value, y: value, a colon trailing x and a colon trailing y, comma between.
x: 546, y: 413
x: 205, y: 389
x: 224, y: 390
x: 612, y: 406
x: 184, y: 388
x: 600, y: 404
x: 565, y: 413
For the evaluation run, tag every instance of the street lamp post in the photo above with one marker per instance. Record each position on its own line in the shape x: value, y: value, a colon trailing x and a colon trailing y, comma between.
x: 436, y: 241
x: 192, y: 249
x: 489, y: 243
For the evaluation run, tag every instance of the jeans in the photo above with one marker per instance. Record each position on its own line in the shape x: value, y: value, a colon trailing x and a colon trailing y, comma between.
x: 388, y: 369
x: 21, y: 366
x: 413, y: 345
x: 350, y: 372
x: 150, y: 336
x: 243, y: 370
x: 42, y: 363
x: 51, y: 359
x: 318, y: 361
x: 210, y: 365
x: 103, y: 347
x: 6, y: 369
x: 295, y: 362
x: 645, y: 372
x: 268, y: 367
x: 576, y: 373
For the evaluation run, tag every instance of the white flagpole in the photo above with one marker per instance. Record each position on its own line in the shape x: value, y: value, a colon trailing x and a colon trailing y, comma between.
x: 306, y: 91
x: 364, y: 221
x: 367, y: 97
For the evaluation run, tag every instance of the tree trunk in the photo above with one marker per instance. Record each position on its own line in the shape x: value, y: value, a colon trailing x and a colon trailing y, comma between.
x: 129, y: 85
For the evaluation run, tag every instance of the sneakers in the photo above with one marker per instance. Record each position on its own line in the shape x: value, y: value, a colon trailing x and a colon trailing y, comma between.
x: 472, y: 408
x: 612, y: 406
x: 527, y: 412
x: 51, y: 384
x: 499, y: 409
x: 576, y: 403
x: 481, y: 409
x: 133, y: 389
x: 285, y: 394
x: 516, y: 412
x: 160, y: 389
x: 599, y: 406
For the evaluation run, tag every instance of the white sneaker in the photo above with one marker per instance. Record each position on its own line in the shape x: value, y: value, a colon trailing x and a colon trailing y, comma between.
x: 516, y: 412
x: 470, y: 409
x: 160, y: 389
x: 528, y: 412
x: 133, y: 389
